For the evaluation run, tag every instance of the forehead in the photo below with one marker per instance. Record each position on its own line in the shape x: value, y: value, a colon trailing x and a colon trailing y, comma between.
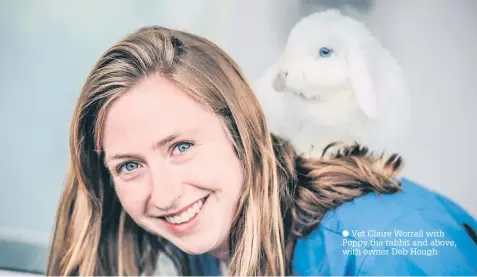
x: 152, y: 109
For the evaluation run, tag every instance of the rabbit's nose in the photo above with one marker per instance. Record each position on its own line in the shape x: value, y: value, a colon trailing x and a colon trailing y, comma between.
x: 279, y: 84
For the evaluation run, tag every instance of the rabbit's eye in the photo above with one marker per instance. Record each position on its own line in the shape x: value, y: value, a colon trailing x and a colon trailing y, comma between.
x: 325, y: 52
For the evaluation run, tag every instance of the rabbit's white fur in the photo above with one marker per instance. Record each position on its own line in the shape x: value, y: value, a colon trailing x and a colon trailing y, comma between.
x: 314, y: 100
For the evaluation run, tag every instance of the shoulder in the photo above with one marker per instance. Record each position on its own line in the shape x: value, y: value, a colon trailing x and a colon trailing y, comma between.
x: 341, y: 244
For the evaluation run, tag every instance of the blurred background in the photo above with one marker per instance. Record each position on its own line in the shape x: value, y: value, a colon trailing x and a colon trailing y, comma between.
x: 48, y: 47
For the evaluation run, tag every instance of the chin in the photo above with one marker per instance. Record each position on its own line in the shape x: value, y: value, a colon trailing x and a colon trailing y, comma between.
x: 195, y: 245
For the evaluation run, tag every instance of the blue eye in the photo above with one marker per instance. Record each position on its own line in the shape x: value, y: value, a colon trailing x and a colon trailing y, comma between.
x: 182, y: 146
x: 325, y: 52
x: 128, y: 167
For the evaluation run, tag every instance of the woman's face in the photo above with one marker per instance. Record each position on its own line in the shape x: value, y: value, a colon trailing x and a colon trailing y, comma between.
x: 173, y: 165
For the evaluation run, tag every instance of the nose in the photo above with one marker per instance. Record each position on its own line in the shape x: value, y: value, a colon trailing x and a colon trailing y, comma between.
x: 279, y: 84
x: 166, y: 188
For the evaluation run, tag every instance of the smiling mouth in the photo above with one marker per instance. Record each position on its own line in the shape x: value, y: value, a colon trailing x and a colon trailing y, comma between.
x: 186, y: 215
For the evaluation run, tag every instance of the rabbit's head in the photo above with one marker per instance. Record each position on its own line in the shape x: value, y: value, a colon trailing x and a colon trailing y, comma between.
x: 326, y: 53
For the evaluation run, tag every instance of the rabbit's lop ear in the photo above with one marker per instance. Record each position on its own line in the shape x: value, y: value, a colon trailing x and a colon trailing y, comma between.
x: 362, y: 81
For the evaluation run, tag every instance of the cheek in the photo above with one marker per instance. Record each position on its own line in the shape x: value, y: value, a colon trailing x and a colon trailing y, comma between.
x: 217, y: 170
x: 327, y: 72
x: 133, y: 196
x: 230, y: 176
x: 235, y: 174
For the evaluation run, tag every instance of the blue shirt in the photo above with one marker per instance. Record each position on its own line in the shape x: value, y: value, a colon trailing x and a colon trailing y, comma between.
x: 412, y: 232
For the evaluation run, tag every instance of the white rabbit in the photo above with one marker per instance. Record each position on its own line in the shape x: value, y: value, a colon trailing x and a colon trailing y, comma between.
x: 335, y: 82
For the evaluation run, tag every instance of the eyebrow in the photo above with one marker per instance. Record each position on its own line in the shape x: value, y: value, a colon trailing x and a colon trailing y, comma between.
x: 156, y: 145
x: 166, y: 140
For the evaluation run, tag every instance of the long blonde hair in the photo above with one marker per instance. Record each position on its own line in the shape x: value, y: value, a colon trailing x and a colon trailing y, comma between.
x: 284, y: 194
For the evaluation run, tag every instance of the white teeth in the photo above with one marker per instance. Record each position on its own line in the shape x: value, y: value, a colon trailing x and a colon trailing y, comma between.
x: 186, y: 215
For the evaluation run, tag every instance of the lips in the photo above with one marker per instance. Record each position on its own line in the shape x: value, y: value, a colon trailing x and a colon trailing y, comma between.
x: 301, y: 95
x: 185, y: 214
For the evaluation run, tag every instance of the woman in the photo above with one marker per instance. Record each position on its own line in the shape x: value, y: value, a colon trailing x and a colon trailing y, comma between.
x: 171, y: 154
